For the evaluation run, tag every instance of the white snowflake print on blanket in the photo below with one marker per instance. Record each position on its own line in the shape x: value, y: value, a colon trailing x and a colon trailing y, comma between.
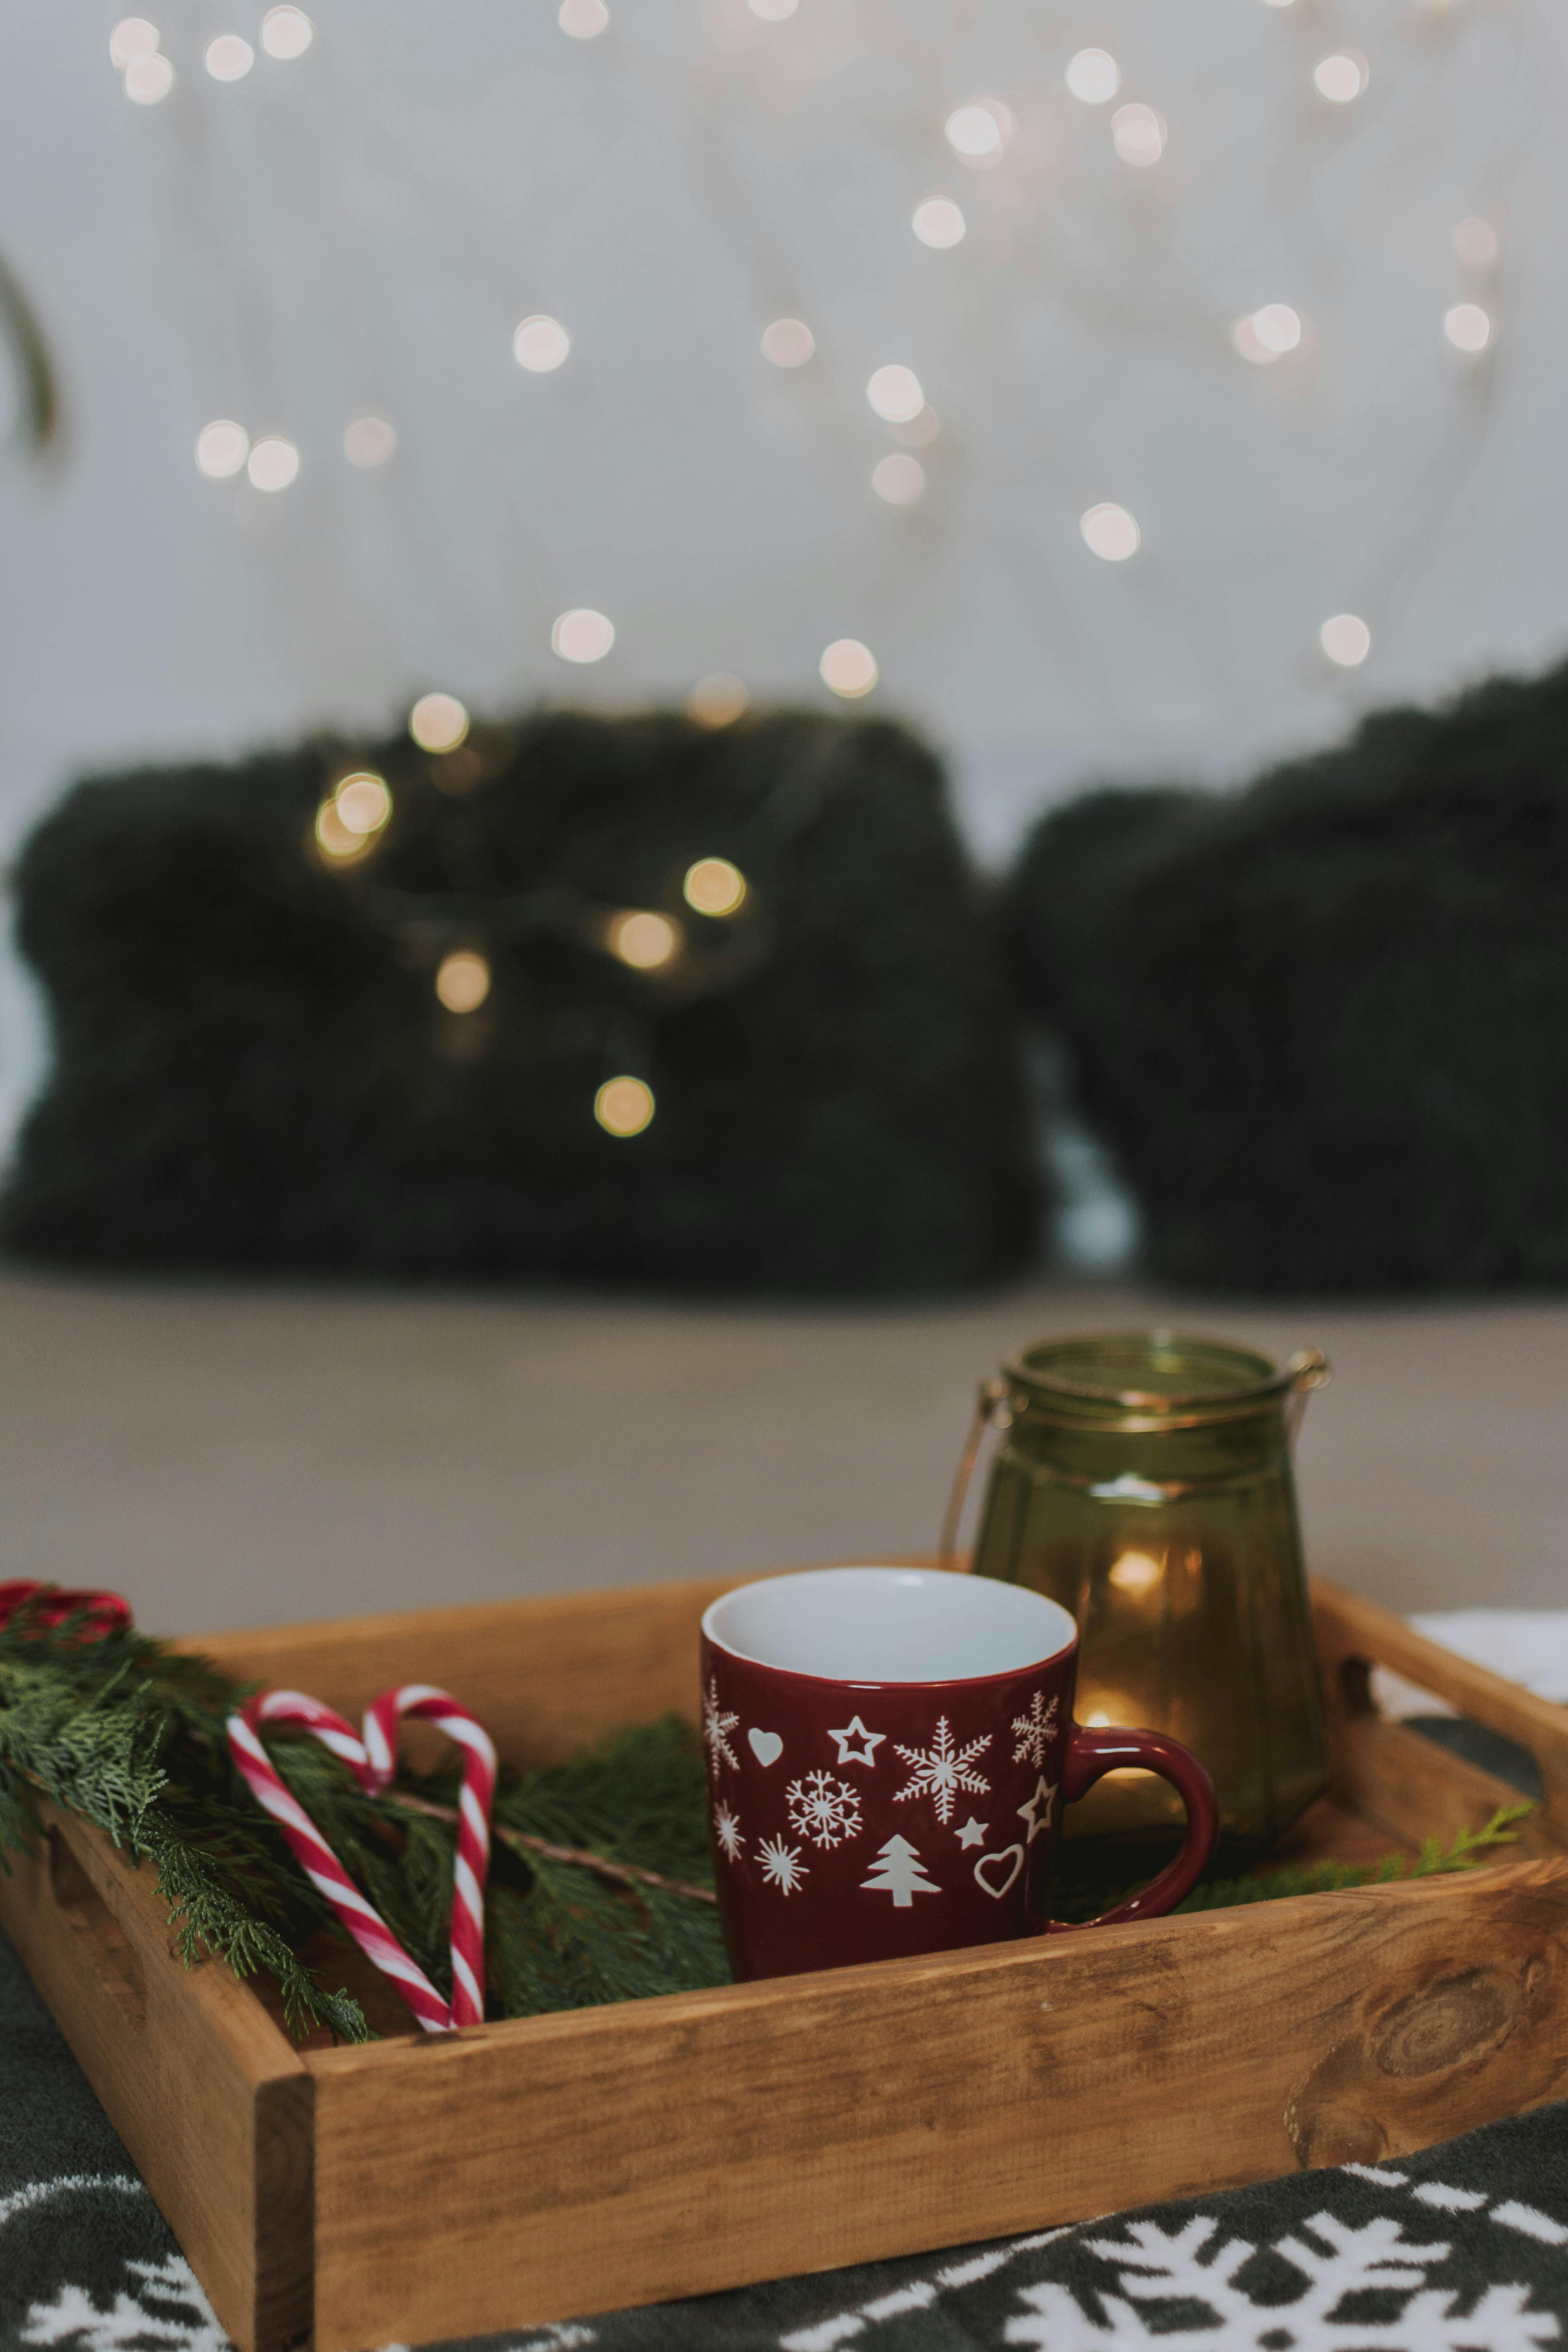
x: 1035, y: 1730
x: 1182, y: 2288
x: 824, y: 1808
x: 940, y: 1770
x: 170, y: 2310
x: 716, y: 1726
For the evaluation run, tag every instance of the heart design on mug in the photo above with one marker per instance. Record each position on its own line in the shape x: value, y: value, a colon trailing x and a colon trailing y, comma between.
x: 1009, y: 1854
x: 765, y: 1746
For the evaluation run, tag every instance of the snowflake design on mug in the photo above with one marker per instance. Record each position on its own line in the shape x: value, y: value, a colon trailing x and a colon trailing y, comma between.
x: 727, y: 1829
x: 782, y: 1865
x: 940, y: 1770
x: 824, y: 1808
x: 1035, y: 1730
x: 716, y: 1726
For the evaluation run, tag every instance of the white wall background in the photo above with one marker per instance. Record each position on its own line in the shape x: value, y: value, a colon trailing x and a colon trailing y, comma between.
x: 362, y: 228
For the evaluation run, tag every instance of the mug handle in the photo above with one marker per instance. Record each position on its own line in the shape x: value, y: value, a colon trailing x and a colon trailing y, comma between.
x: 1093, y: 1753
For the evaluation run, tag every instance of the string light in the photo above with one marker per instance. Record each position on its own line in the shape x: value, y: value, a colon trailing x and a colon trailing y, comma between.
x: 978, y: 132
x: 287, y: 33
x: 788, y: 342
x: 362, y: 802
x: 1110, y: 532
x: 1475, y: 242
x: 273, y: 463
x: 895, y: 394
x: 149, y: 80
x: 848, y: 668
x: 1138, y: 134
x: 333, y: 835
x: 624, y: 1105
x: 718, y: 700
x: 582, y: 20
x: 1093, y: 77
x: 581, y: 634
x: 643, y: 939
x: 228, y: 58
x: 714, y: 886
x: 938, y: 223
x: 1342, y: 76
x: 132, y: 39
x: 1467, y: 327
x: 1267, y: 334
x: 222, y: 448
x: 437, y: 722
x: 463, y: 980
x: 1346, y: 640
x: 540, y: 344
x: 899, y: 479
x: 369, y: 441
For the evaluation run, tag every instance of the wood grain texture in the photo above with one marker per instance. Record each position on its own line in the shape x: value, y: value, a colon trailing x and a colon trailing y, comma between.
x: 558, y: 2165
x: 211, y: 2102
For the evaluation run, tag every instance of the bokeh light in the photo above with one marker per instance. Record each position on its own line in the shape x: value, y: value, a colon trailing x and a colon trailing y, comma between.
x: 287, y: 33
x: 1110, y: 532
x: 1467, y: 327
x: 149, y: 80
x: 463, y: 980
x: 644, y: 940
x: 369, y: 440
x: 920, y: 429
x: 222, y: 448
x: 334, y: 837
x: 582, y: 20
x: 1342, y: 76
x: 938, y: 223
x: 979, y: 131
x: 624, y: 1105
x: 1475, y: 242
x: 273, y: 463
x: 540, y: 344
x: 132, y: 39
x: 228, y: 58
x: 899, y: 479
x: 437, y: 722
x: 714, y: 886
x: 718, y: 700
x: 848, y: 668
x: 1266, y: 335
x: 895, y: 393
x: 1093, y: 77
x: 1346, y: 640
x: 1138, y: 134
x: 362, y: 802
x: 1136, y: 1572
x: 581, y: 634
x: 788, y: 342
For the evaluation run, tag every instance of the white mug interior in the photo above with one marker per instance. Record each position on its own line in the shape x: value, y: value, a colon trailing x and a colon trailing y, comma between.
x: 888, y: 1625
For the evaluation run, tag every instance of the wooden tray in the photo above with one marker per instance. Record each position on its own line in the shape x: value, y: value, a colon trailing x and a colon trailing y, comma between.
x: 524, y: 2172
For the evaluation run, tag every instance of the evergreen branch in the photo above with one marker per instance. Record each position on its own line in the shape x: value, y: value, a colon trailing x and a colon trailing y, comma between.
x: 628, y: 1873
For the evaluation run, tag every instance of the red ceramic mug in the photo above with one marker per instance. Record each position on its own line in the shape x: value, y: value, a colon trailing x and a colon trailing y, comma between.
x: 888, y: 1751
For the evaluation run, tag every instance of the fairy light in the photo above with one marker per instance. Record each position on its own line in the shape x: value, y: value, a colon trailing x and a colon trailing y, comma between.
x: 287, y: 33
x: 222, y: 448
x: 714, y: 886
x: 581, y: 634
x: 1467, y: 327
x: 582, y: 20
x: 369, y: 441
x: 132, y: 39
x: 978, y: 133
x: 848, y: 668
x: 334, y: 837
x: 148, y: 79
x: 1138, y: 134
x: 938, y: 223
x: 1475, y: 242
x: 1345, y: 639
x: 899, y: 479
x: 437, y: 722
x: 541, y: 344
x: 624, y: 1105
x: 718, y: 700
x: 1110, y: 532
x: 1342, y: 76
x: 643, y: 939
x: 1093, y: 77
x: 1136, y: 1572
x: 1267, y: 334
x: 228, y: 58
x: 895, y: 394
x: 362, y: 802
x: 273, y: 463
x: 788, y: 342
x: 463, y: 980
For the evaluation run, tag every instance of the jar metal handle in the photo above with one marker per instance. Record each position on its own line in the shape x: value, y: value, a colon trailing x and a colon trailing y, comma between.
x: 989, y: 1405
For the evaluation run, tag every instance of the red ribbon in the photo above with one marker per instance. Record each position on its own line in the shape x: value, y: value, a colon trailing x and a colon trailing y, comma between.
x: 49, y: 1607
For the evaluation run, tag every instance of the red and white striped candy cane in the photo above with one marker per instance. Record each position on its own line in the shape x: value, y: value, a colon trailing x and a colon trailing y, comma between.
x: 373, y: 1760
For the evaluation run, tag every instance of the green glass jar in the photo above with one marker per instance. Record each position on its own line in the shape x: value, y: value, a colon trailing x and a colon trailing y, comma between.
x: 1143, y: 1481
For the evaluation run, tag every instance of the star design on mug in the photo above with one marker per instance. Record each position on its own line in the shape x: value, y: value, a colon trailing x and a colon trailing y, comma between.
x: 972, y: 1832
x: 869, y: 1742
x: 1030, y: 1811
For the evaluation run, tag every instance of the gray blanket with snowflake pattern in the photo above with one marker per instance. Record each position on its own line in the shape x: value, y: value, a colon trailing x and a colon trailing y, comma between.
x: 1464, y: 2249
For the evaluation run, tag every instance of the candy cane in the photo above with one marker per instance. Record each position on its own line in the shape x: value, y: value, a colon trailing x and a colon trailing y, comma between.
x: 373, y: 1760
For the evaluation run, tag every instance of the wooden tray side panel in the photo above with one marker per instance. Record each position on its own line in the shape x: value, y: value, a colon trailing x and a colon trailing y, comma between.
x: 211, y: 2102
x: 537, y: 2170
